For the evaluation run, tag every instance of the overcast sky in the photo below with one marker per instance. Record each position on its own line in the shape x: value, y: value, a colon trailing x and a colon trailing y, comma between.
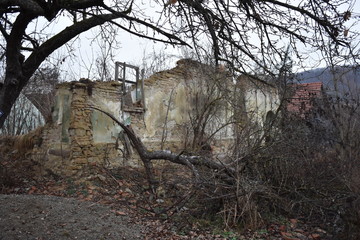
x: 79, y: 60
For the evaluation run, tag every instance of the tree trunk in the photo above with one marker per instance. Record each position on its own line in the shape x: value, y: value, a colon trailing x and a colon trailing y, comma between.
x: 9, y: 92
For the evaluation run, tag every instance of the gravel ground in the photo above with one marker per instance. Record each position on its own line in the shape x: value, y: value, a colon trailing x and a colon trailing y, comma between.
x: 45, y: 217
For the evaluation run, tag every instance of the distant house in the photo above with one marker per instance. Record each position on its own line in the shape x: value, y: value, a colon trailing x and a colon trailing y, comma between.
x: 304, y: 98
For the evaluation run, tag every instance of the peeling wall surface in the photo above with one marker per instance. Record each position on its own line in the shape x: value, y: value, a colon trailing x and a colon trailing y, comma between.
x: 176, y: 98
x: 79, y: 135
x: 175, y: 101
x: 260, y: 99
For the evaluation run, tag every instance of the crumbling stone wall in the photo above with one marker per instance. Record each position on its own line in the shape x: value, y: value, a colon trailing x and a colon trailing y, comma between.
x: 80, y: 136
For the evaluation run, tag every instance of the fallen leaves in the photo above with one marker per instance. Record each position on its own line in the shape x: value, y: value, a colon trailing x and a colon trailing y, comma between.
x: 314, y: 236
x: 133, y: 201
x: 32, y: 190
x: 120, y: 213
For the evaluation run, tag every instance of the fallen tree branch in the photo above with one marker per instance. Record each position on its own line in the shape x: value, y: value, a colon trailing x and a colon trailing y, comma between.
x: 147, y: 156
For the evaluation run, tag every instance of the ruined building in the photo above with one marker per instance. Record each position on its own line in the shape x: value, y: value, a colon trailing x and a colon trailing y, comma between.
x: 187, y: 108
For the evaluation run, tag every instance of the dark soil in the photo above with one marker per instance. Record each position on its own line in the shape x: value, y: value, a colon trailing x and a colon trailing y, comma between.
x: 51, y: 217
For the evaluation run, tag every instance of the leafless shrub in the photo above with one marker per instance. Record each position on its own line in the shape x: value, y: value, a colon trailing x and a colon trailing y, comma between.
x: 294, y: 165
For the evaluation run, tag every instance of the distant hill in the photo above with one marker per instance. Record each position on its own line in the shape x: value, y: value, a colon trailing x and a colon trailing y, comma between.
x: 344, y: 80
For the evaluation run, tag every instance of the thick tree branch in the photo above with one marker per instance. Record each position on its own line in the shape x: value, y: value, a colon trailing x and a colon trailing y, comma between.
x: 13, y: 54
x: 29, y: 6
x: 207, y: 15
x: 81, y: 4
x: 166, y: 155
x: 44, y: 50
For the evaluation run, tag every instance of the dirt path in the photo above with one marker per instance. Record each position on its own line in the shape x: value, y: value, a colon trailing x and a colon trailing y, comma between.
x: 49, y: 217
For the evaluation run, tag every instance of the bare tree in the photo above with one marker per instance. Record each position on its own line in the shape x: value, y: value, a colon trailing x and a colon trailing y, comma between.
x: 231, y: 27
x: 208, y: 94
x: 248, y: 34
x: 33, y: 107
x: 18, y: 37
x: 23, y: 118
x: 41, y: 90
x: 156, y: 61
x: 107, y: 42
x: 340, y: 114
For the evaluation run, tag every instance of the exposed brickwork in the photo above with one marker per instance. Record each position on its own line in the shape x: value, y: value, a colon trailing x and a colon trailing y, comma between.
x: 68, y: 144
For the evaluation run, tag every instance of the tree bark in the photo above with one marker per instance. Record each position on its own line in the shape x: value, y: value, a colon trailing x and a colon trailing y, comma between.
x: 8, y: 95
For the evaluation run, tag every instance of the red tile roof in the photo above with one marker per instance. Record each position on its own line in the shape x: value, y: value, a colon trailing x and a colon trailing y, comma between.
x: 302, y: 100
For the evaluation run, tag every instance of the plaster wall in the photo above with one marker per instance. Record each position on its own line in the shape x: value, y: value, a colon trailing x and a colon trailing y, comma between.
x: 80, y: 136
x: 260, y: 99
x: 175, y: 97
x: 259, y: 102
